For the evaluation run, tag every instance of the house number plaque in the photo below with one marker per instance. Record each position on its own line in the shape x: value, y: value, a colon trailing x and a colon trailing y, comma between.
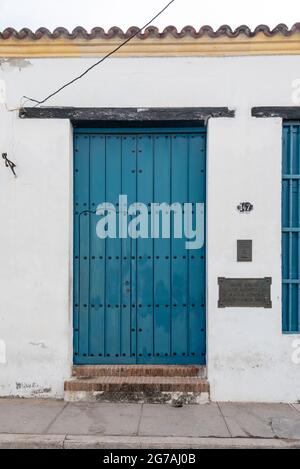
x: 244, y: 250
x: 245, y: 292
x: 245, y: 207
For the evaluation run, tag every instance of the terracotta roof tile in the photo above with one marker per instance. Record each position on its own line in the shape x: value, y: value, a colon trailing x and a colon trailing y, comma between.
x: 151, y: 31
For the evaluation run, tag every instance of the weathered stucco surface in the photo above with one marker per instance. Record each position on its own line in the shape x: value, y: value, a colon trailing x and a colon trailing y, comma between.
x: 249, y: 359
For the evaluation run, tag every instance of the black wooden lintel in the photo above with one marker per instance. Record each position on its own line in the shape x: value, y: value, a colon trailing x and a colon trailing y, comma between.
x: 285, y: 112
x: 82, y: 114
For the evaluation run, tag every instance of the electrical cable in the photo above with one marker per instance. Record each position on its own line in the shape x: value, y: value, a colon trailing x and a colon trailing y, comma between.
x: 99, y: 61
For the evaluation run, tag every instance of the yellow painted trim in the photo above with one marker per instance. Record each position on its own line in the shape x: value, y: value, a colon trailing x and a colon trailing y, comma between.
x: 153, y: 47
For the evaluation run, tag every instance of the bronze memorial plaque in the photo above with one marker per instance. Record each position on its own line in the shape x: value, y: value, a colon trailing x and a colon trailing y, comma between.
x: 245, y: 292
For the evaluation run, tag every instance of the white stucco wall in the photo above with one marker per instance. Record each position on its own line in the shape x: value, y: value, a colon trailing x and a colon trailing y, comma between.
x: 35, y: 320
x: 248, y: 356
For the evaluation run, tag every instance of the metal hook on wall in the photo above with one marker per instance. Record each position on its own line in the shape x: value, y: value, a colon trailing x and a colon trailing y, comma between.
x: 9, y: 164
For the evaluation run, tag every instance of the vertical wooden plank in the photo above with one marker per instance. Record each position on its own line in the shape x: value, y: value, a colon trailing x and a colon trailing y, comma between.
x: 97, y: 247
x: 179, y: 253
x: 76, y: 249
x: 82, y: 169
x: 202, y: 312
x: 145, y: 252
x: 128, y: 324
x: 113, y: 250
x: 162, y: 154
x: 133, y: 266
x: 197, y: 256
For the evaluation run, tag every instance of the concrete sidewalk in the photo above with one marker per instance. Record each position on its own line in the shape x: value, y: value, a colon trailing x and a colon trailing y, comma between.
x: 56, y: 424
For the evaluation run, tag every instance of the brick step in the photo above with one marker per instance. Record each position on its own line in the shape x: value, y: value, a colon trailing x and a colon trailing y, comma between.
x: 140, y: 383
x: 151, y: 389
x: 95, y: 371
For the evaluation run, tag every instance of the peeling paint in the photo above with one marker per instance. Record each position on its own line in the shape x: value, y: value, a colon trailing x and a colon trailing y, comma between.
x: 42, y: 391
x: 33, y: 388
x: 14, y: 63
x: 2, y: 352
x: 26, y: 385
x: 2, y: 92
x: 149, y: 397
x: 38, y: 344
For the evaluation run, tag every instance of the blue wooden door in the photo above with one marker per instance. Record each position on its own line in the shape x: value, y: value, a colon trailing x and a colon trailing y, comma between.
x: 137, y: 300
